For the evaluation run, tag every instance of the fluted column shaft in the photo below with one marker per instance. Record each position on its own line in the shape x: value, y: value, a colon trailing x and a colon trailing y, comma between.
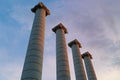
x: 89, y: 66
x: 32, y: 69
x: 63, y: 72
x: 61, y: 56
x: 77, y: 58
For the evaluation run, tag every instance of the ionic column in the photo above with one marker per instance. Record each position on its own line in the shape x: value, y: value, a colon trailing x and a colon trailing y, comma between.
x: 63, y: 72
x: 32, y: 69
x: 77, y: 58
x: 89, y: 66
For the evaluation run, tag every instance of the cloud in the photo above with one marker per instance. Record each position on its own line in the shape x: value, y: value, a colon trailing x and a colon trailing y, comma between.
x: 23, y: 16
x: 49, y: 68
x: 97, y: 30
x: 10, y: 71
x: 94, y: 23
x: 113, y: 74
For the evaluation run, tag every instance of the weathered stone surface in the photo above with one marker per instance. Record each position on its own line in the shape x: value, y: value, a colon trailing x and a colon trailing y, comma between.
x: 89, y: 66
x: 39, y: 6
x: 77, y: 59
x: 32, y: 69
x: 63, y: 72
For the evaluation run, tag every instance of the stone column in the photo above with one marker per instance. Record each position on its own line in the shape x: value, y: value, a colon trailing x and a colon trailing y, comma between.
x: 77, y: 58
x: 89, y: 66
x: 63, y: 72
x: 32, y: 69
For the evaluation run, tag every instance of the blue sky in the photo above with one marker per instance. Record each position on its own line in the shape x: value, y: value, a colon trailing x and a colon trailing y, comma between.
x: 95, y: 23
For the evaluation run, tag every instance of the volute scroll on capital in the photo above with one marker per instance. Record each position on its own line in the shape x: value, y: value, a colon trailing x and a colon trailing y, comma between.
x: 87, y: 54
x: 74, y: 42
x: 60, y: 26
x: 39, y: 6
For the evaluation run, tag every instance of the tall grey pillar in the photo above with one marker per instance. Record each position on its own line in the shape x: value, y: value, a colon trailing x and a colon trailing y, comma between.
x: 63, y: 72
x: 77, y: 58
x: 32, y: 69
x: 89, y: 66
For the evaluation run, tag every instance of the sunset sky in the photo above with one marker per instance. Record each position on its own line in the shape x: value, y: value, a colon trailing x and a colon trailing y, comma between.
x: 95, y: 23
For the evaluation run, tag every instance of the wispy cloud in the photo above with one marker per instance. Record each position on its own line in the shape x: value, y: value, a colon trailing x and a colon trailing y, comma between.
x: 10, y: 71
x: 94, y: 23
x: 23, y: 16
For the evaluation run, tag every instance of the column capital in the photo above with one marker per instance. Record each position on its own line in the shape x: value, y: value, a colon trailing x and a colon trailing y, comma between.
x: 74, y: 42
x: 60, y: 26
x: 87, y: 54
x: 39, y: 6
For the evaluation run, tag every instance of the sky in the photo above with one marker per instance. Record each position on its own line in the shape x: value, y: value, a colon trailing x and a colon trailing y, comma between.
x: 95, y: 23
